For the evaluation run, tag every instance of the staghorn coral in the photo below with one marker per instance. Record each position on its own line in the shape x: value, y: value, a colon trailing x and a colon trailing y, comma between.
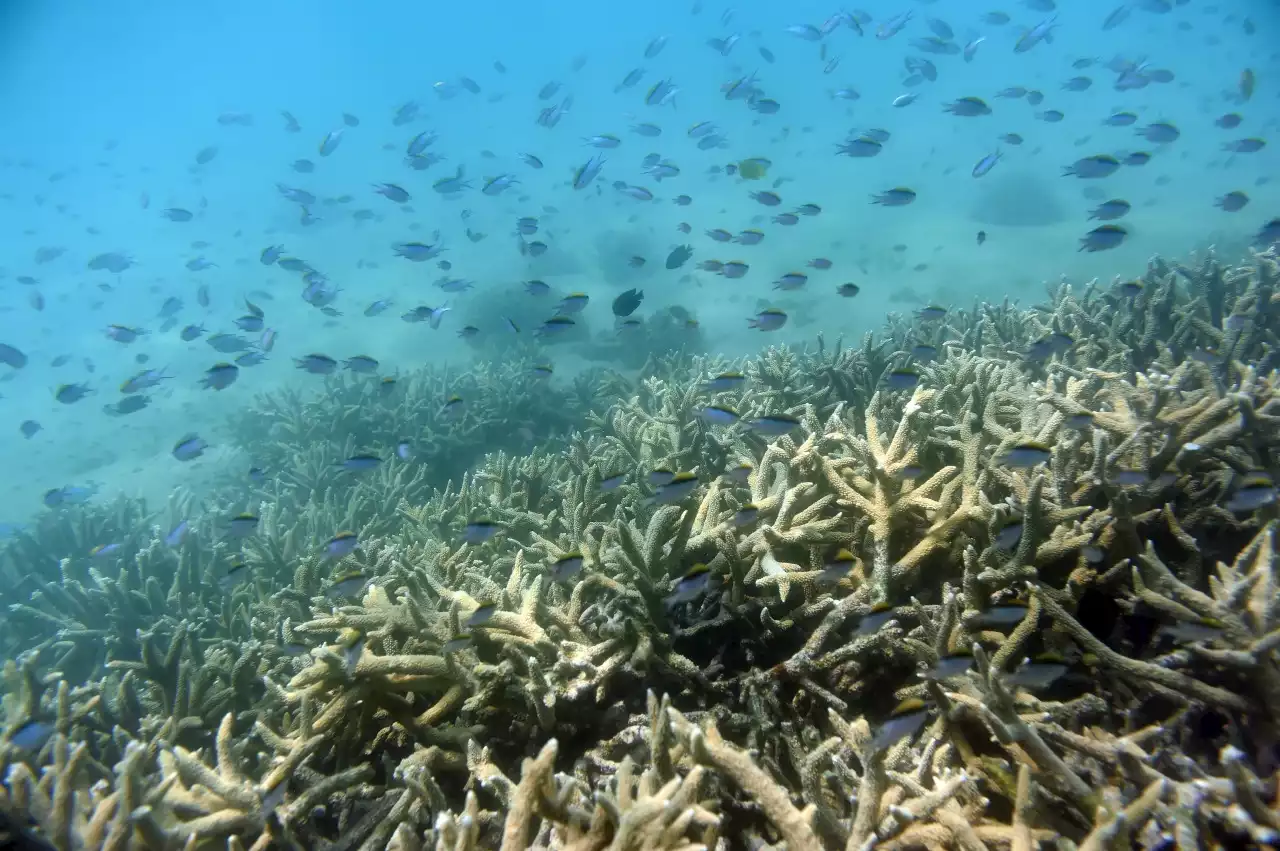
x: 475, y: 695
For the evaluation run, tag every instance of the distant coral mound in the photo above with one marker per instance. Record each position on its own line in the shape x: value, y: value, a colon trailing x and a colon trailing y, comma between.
x: 1017, y: 199
x: 614, y: 250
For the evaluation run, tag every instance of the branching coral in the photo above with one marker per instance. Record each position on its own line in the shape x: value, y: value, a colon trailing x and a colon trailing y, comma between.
x: 1029, y: 600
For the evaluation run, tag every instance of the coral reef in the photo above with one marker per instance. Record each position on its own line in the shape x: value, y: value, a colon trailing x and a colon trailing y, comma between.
x: 1011, y: 581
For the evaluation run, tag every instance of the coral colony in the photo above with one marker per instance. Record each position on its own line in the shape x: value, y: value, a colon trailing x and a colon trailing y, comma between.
x: 996, y: 578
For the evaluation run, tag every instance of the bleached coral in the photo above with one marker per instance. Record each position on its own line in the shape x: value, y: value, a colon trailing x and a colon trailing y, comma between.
x: 473, y: 695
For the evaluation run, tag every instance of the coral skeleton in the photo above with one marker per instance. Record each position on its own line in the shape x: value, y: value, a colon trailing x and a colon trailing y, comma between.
x: 1030, y: 602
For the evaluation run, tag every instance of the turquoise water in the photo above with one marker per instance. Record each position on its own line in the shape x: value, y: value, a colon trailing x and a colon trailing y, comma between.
x: 108, y: 110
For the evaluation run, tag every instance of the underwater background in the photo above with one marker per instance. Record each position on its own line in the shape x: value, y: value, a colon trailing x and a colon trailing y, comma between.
x: 658, y: 425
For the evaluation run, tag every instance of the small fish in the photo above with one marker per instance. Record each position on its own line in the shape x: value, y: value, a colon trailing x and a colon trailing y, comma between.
x: 416, y: 252
x: 902, y: 379
x: 1006, y: 614
x: 1256, y: 490
x: 1192, y: 632
x: 746, y: 515
x: 838, y: 566
x: 1118, y: 16
x: 566, y: 567
x: 950, y: 666
x: 1245, y: 146
x: 236, y: 573
x: 1038, y: 673
x: 1129, y: 477
x: 1269, y: 233
x: 360, y: 463
x: 924, y: 352
x: 330, y: 142
x: 719, y: 415
x: 848, y: 290
x: 861, y: 147
x: 123, y: 333
x: 12, y: 356
x: 361, y: 363
x: 574, y: 303
x: 555, y: 325
x: 1232, y: 202
x: 1040, y: 32
x: 660, y: 476
x: 481, y: 615
x: 243, y: 525
x: 612, y: 482
x: 67, y: 495
x: 985, y: 164
x: 1103, y: 238
x: 69, y: 394
x: 341, y: 544
x: 316, y: 364
x: 392, y: 192
x: 457, y: 643
x: 1026, y: 454
x: 627, y: 303
x: 1092, y: 167
x: 774, y: 425
x: 904, y: 722
x: 696, y: 581
x: 453, y: 407
x: 1079, y: 422
x: 588, y: 172
x: 479, y: 531
x: 968, y: 107
x: 352, y: 653
x: 876, y: 617
x: 1131, y: 289
x: 769, y: 319
x: 791, y: 281
x: 1161, y: 132
x: 190, y: 447
x: 1120, y: 119
x: 897, y: 197
x: 679, y: 487
x: 347, y: 584
x: 724, y: 382
x: 1110, y: 210
x: 32, y: 735
x: 678, y: 256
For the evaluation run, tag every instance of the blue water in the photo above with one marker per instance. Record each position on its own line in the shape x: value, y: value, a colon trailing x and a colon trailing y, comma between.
x: 106, y: 105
